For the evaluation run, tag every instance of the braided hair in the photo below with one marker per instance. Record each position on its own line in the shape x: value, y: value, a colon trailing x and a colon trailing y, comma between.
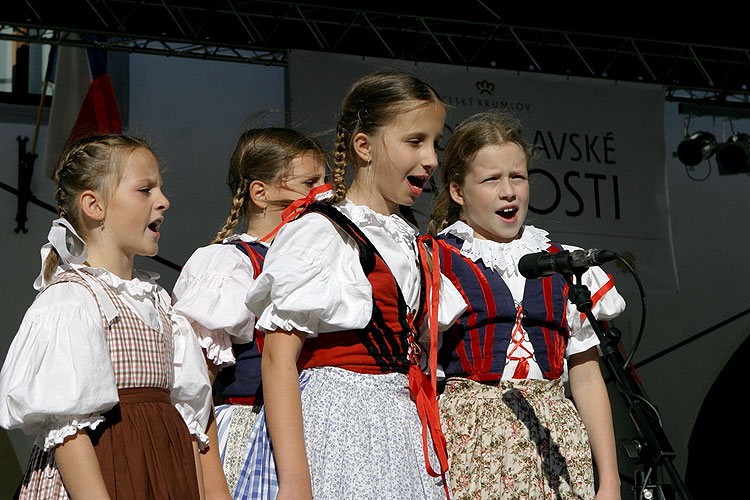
x: 372, y: 102
x: 92, y: 163
x: 262, y: 154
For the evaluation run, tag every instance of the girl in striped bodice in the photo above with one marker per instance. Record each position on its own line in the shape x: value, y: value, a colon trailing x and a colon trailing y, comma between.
x: 511, y: 432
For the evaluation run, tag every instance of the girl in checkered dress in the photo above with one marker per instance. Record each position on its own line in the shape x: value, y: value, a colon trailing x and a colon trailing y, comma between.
x: 511, y: 432
x: 110, y: 380
x: 270, y: 168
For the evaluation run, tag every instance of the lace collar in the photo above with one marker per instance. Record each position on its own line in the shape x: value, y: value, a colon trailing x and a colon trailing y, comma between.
x: 394, y: 225
x: 502, y: 257
x: 141, y: 285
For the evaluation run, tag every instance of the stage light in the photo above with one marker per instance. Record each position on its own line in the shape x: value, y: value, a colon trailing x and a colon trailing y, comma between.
x: 734, y: 155
x: 695, y: 148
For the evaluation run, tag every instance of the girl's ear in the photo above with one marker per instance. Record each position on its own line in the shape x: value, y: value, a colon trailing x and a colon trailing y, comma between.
x: 257, y: 191
x: 92, y: 205
x: 457, y: 194
x: 361, y: 145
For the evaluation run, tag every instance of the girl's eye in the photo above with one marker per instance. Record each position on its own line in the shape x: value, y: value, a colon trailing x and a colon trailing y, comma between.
x: 414, y: 142
x: 145, y: 190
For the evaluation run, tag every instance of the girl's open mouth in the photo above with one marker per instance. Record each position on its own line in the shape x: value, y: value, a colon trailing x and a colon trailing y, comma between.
x: 507, y: 213
x: 415, y: 181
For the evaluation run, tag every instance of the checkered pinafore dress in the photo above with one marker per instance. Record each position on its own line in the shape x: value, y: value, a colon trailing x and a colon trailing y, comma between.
x: 143, y: 446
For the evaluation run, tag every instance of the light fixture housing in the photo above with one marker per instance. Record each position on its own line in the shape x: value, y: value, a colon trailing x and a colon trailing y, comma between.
x: 733, y: 157
x: 696, y: 147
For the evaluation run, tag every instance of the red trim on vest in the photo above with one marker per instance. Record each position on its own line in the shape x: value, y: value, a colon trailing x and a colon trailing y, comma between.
x: 483, y: 364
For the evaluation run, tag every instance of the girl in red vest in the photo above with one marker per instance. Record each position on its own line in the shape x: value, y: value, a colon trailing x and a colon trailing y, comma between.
x: 102, y: 370
x: 511, y: 432
x: 342, y: 299
x: 270, y: 168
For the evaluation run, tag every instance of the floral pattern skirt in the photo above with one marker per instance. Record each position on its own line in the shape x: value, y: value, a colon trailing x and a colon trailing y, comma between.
x: 519, y: 439
x: 234, y: 424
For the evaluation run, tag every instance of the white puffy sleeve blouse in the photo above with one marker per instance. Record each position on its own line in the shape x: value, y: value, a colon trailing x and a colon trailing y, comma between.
x: 210, y: 293
x: 57, y: 377
x: 313, y: 282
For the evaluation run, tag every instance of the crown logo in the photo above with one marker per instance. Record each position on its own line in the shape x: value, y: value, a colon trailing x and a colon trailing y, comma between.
x: 485, y: 87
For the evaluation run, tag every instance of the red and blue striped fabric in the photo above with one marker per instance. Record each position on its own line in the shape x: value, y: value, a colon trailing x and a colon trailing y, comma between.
x: 476, y: 347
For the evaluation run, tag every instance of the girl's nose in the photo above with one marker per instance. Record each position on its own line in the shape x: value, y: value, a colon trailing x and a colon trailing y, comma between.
x: 163, y: 202
x: 505, y: 190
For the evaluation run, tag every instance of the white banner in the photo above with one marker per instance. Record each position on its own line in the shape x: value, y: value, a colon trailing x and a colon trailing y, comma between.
x: 598, y: 178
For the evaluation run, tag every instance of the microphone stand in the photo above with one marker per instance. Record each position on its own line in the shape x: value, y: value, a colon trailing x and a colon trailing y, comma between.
x: 653, y: 448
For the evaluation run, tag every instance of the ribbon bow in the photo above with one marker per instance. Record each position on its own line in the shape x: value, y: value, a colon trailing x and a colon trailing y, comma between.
x: 67, y: 243
x: 297, y: 207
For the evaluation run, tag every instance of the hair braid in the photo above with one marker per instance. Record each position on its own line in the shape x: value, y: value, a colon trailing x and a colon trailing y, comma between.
x: 238, y: 205
x: 444, y: 212
x: 92, y: 163
x: 338, y: 176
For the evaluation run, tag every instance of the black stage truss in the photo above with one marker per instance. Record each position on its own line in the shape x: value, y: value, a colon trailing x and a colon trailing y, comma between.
x: 691, y: 62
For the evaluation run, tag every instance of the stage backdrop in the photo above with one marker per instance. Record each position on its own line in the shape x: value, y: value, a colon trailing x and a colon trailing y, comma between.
x: 598, y: 178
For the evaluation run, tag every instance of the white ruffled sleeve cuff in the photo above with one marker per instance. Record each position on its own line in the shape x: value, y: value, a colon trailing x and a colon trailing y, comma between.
x: 62, y: 428
x: 57, y: 376
x: 210, y: 292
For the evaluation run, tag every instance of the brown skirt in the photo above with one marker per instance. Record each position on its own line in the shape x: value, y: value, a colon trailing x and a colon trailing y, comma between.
x: 144, y: 451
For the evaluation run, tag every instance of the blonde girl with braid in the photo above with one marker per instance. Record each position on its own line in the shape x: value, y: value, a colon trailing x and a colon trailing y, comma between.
x: 102, y: 371
x: 270, y: 168
x: 343, y: 303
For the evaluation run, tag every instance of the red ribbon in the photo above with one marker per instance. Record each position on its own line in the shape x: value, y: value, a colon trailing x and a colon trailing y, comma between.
x: 522, y: 368
x: 424, y: 389
x: 297, y: 207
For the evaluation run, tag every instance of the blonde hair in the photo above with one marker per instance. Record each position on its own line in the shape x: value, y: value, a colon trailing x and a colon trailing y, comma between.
x: 372, y: 103
x: 483, y: 129
x: 93, y: 163
x: 262, y: 154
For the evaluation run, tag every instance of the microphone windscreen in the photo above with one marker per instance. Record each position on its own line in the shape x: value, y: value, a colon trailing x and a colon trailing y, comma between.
x: 528, y: 266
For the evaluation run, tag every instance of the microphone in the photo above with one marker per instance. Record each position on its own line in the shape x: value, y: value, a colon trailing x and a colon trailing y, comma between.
x: 540, y: 264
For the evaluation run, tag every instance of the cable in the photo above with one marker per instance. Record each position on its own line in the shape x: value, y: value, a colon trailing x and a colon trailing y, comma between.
x: 641, y: 328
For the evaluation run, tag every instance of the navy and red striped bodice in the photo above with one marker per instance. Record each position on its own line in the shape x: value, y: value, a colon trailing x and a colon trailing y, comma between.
x: 477, y: 345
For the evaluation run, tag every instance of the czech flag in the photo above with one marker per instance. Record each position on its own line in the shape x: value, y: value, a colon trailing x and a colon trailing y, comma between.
x: 83, y: 102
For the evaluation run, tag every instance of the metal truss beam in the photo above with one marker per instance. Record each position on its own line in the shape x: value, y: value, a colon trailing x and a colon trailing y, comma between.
x: 261, y: 31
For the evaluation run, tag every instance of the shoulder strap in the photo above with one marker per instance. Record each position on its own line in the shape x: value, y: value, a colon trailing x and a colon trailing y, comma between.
x: 95, y: 286
x: 255, y: 257
x: 367, y: 250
